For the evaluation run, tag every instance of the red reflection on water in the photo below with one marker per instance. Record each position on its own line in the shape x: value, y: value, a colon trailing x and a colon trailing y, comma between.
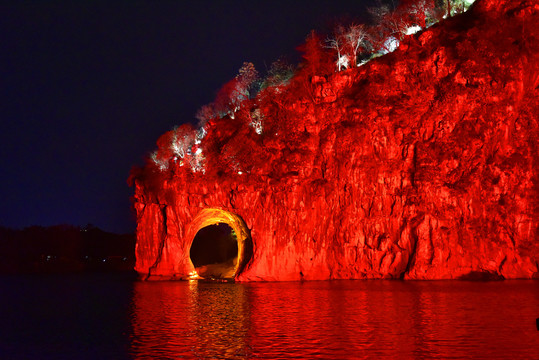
x: 344, y: 319
x: 185, y: 319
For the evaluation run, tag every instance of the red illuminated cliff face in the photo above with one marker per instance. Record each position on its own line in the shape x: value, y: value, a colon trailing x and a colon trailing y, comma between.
x: 421, y: 164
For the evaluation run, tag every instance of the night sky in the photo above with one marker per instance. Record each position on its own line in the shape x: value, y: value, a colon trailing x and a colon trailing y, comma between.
x: 88, y: 87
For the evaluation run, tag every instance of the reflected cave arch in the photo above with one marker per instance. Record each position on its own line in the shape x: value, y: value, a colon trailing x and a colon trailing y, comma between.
x: 219, y: 244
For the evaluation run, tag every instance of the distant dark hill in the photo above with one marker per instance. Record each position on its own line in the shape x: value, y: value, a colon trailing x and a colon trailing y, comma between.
x: 421, y: 164
x: 64, y: 248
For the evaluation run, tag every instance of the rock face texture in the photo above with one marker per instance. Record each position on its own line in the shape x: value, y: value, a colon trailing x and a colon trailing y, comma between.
x: 421, y: 164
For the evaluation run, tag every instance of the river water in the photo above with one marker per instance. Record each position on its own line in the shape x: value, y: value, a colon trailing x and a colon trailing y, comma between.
x: 104, y: 316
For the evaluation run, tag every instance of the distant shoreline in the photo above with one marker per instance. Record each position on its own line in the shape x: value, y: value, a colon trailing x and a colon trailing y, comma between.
x: 65, y: 249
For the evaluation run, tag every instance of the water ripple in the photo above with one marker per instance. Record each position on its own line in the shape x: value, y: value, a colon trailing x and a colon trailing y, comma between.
x: 335, y: 319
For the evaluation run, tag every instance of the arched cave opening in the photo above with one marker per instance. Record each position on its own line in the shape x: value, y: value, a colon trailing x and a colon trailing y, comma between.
x: 214, y: 252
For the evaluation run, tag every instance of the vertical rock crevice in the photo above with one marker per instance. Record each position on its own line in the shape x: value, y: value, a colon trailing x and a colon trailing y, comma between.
x: 161, y: 243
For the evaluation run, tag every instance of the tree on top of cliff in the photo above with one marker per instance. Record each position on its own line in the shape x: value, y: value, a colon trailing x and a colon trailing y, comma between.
x: 226, y: 98
x: 247, y: 77
x: 390, y: 27
x: 337, y: 44
x: 206, y: 113
x: 454, y: 7
x: 279, y: 74
x: 348, y: 42
x: 182, y: 141
x: 232, y: 94
x: 179, y: 147
x: 420, y: 12
x: 355, y: 40
x: 316, y: 60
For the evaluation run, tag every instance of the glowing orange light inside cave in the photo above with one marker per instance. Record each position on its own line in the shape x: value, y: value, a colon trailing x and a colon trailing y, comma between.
x: 229, y: 270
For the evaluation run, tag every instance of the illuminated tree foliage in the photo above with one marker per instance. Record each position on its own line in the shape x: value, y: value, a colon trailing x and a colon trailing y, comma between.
x: 337, y: 44
x: 316, y: 60
x: 355, y: 40
x: 279, y: 74
x: 206, y: 113
x: 242, y: 101
x: 231, y: 95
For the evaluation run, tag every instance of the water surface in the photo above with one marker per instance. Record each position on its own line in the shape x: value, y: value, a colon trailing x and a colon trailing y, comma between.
x: 103, y: 316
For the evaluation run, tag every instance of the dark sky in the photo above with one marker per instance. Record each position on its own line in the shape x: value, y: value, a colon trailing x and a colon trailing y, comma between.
x: 89, y: 86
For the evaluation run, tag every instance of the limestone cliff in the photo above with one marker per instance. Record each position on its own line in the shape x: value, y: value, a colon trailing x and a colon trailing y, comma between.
x: 420, y: 164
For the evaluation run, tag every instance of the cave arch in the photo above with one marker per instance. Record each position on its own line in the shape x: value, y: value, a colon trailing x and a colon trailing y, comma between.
x: 219, y: 219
